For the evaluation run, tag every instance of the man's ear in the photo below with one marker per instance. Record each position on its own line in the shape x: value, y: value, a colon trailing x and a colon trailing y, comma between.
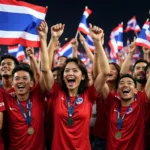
x: 31, y: 84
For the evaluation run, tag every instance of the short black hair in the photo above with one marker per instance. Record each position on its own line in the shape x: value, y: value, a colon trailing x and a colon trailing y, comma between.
x: 147, y: 67
x: 83, y: 84
x: 5, y: 56
x: 62, y: 56
x: 23, y: 67
x: 127, y: 76
x: 56, y: 69
x: 139, y: 61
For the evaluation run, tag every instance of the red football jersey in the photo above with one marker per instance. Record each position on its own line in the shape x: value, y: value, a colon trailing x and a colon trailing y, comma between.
x: 133, y: 127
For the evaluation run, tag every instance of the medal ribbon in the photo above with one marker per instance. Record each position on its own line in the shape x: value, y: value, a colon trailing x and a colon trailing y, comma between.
x: 27, y: 117
x: 119, y: 119
x: 71, y: 110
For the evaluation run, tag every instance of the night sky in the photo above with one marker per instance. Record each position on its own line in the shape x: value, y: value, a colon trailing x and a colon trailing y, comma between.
x: 106, y: 14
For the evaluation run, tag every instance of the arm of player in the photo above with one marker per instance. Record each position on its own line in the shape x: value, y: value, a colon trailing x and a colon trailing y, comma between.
x: 147, y: 87
x: 88, y: 51
x: 126, y: 64
x: 33, y: 63
x: 97, y: 34
x: 74, y: 43
x: 56, y: 31
x: 47, y: 75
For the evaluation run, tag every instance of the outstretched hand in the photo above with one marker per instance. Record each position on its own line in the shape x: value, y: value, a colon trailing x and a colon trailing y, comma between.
x: 42, y: 29
x: 57, y: 30
x: 96, y: 33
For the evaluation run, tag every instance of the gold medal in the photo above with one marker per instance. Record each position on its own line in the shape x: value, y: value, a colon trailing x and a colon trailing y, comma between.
x: 118, y: 135
x: 30, y: 131
x: 70, y: 121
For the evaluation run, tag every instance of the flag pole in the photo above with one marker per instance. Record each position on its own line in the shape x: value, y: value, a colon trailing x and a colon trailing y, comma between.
x: 86, y: 7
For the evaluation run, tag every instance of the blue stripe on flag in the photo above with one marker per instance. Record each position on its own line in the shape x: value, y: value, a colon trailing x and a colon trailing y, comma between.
x: 68, y: 52
x: 18, y: 22
x: 83, y: 20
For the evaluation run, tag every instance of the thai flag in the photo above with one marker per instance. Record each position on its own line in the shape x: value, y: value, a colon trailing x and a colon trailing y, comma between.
x: 66, y: 50
x: 19, y: 21
x: 17, y: 51
x: 143, y: 37
x: 90, y: 43
x: 132, y: 25
x: 113, y: 48
x: 117, y: 36
x: 83, y: 26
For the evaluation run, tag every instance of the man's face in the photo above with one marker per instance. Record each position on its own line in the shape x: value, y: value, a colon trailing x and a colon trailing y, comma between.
x: 139, y: 72
x: 7, y: 66
x: 61, y: 61
x: 126, y: 89
x: 22, y: 82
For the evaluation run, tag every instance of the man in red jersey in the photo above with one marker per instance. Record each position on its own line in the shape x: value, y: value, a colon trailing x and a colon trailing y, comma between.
x: 7, y: 64
x: 25, y: 111
x: 127, y: 114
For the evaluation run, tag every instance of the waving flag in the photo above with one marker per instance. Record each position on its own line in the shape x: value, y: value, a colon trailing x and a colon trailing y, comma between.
x: 90, y: 43
x: 143, y: 37
x: 83, y: 26
x: 17, y: 51
x: 132, y: 25
x: 117, y: 35
x: 19, y: 21
x: 66, y: 50
x: 148, y: 33
x: 116, y: 40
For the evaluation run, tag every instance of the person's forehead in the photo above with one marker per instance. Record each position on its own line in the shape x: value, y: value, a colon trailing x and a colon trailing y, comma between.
x: 141, y: 64
x: 71, y: 65
x: 126, y: 79
x: 7, y: 60
x: 21, y: 73
x: 62, y: 58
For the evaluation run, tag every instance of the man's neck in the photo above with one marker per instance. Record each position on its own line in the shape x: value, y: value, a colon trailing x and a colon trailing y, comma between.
x: 140, y: 87
x: 7, y: 82
x: 22, y: 97
x: 127, y: 103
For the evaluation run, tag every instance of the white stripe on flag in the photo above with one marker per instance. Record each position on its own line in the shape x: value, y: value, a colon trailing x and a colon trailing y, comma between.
x: 18, y: 34
x: 22, y: 10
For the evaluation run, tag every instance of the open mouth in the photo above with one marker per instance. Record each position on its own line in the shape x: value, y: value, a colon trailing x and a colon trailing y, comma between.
x: 110, y: 75
x: 126, y: 91
x: 21, y: 87
x: 71, y: 81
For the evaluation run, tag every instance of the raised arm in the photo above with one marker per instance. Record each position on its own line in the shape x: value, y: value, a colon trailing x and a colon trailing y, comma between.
x: 88, y: 51
x: 47, y: 75
x: 146, y: 53
x: 74, y: 43
x: 126, y: 64
x: 147, y: 86
x: 56, y: 32
x: 97, y: 34
x: 33, y: 63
